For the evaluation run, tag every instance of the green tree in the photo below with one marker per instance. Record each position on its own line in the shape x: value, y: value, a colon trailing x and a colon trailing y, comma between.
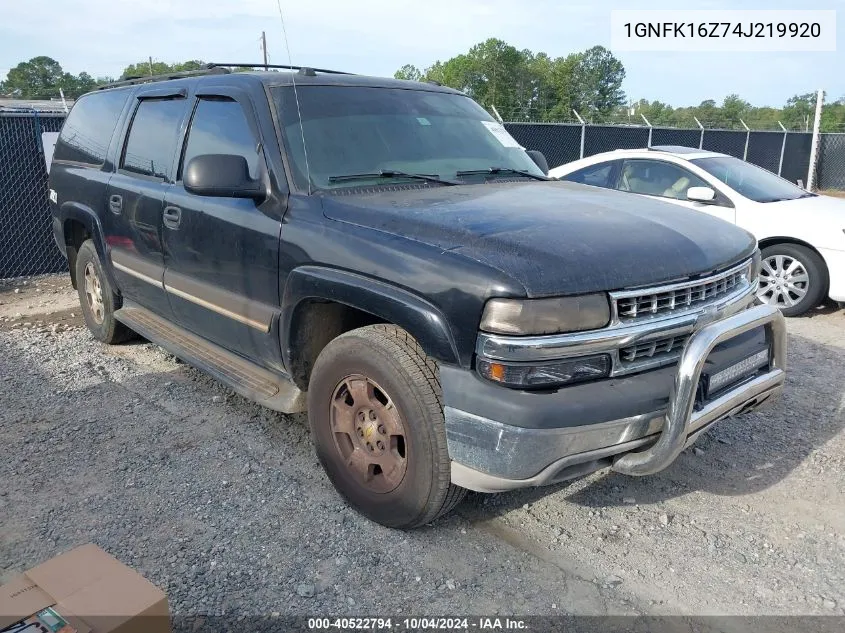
x: 562, y: 85
x: 598, y: 83
x: 799, y: 111
x: 491, y: 73
x: 144, y: 69
x: 410, y: 72
x: 74, y: 86
x: 39, y: 78
x: 763, y: 118
x: 523, y: 85
x: 833, y: 116
x: 656, y: 112
x: 733, y: 109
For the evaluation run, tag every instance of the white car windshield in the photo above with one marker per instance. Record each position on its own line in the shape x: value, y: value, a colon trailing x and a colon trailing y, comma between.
x: 755, y: 183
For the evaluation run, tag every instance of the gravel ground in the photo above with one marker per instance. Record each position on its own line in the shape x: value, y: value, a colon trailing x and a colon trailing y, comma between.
x: 222, y: 504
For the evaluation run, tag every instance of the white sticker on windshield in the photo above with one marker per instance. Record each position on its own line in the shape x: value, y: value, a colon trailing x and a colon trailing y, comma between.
x: 502, y: 135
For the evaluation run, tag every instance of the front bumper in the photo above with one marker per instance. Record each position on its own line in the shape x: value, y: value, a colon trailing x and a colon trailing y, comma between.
x: 489, y: 455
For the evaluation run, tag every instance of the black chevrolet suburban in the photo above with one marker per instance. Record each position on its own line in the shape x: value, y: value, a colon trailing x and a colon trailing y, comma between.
x: 384, y: 255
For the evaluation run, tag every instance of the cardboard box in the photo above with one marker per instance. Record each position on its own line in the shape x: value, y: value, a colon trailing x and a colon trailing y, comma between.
x: 83, y: 591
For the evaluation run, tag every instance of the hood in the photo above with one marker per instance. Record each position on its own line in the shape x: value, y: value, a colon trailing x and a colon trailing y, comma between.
x: 827, y: 209
x: 822, y: 220
x: 554, y: 238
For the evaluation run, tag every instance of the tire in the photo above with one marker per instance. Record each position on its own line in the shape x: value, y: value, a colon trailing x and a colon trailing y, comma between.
x: 803, y: 280
x: 375, y: 387
x: 99, y: 315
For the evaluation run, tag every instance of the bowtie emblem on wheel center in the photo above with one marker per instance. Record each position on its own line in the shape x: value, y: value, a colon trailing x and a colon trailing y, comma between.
x: 370, y: 430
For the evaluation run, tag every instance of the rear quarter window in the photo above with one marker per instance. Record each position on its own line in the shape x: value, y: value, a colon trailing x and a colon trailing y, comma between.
x: 87, y: 132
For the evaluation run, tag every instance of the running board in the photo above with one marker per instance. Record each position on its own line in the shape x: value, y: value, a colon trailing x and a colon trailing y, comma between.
x: 268, y: 389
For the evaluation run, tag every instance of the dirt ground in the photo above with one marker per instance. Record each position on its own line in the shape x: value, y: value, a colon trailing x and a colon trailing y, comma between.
x: 222, y: 504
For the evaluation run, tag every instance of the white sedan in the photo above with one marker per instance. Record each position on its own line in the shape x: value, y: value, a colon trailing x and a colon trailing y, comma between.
x: 801, y: 234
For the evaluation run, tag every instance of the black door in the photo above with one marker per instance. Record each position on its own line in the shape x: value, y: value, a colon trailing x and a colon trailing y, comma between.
x: 136, y: 193
x: 222, y: 254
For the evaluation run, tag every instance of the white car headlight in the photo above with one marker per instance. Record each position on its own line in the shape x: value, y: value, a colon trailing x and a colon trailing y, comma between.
x: 756, y: 265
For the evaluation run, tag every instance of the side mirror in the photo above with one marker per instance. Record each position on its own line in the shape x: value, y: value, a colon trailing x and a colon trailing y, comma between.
x: 539, y: 160
x: 221, y: 176
x: 704, y: 195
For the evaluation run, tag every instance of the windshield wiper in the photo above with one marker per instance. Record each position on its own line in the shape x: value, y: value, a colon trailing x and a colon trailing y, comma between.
x: 765, y: 200
x: 392, y: 173
x: 500, y: 170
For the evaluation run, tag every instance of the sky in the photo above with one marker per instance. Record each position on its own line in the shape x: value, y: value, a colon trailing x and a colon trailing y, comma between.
x: 376, y: 37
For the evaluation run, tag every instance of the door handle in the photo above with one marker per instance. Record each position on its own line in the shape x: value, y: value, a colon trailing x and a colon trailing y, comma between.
x: 116, y: 204
x: 172, y: 217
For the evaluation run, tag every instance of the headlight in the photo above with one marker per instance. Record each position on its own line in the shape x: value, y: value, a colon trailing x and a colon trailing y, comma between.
x: 756, y: 265
x: 546, y: 316
x: 545, y: 375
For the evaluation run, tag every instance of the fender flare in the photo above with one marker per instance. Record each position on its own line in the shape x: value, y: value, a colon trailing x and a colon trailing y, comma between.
x: 424, y: 321
x: 85, y: 215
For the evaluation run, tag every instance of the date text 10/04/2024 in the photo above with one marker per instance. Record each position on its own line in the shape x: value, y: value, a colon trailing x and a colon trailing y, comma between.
x: 418, y: 624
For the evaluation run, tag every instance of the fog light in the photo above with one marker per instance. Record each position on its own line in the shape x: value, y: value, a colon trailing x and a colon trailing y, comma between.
x: 546, y: 375
x: 733, y: 373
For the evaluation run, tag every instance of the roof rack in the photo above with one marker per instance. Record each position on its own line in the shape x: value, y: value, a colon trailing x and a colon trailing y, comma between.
x: 131, y: 81
x: 216, y: 68
x: 303, y: 70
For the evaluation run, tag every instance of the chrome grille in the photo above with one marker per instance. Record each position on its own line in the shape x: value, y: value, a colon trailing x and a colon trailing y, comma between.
x: 663, y: 300
x: 662, y: 347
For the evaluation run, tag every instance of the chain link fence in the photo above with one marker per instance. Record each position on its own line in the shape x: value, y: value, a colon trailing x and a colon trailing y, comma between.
x: 604, y: 138
x: 784, y: 153
x: 26, y: 239
x: 830, y: 171
x: 674, y: 136
x: 559, y: 142
x: 796, y: 156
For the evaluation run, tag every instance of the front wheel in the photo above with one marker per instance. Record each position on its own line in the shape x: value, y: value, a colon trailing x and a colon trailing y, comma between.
x: 374, y: 407
x: 792, y: 278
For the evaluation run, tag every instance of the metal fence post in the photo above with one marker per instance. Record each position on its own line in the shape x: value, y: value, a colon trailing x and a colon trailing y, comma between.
x: 814, y: 146
x: 583, y: 132
x: 700, y: 140
x: 496, y: 113
x: 782, y: 148
x: 649, y: 129
x: 747, y: 138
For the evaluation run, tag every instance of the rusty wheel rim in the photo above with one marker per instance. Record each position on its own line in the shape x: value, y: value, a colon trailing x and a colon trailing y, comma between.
x: 369, y: 434
x: 94, y: 294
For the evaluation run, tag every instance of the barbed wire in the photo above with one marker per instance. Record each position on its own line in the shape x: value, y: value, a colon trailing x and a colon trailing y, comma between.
x: 537, y: 115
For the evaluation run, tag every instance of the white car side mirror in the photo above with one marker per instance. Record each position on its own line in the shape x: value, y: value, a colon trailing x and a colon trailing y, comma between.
x: 701, y: 194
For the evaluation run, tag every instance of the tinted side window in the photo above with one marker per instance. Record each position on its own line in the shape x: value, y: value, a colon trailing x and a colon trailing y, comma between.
x: 153, y: 137
x: 658, y: 178
x: 595, y: 175
x: 220, y: 126
x: 88, y: 129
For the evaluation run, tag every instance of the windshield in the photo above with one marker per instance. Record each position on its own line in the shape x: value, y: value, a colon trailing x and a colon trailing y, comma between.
x: 755, y: 183
x: 365, y: 131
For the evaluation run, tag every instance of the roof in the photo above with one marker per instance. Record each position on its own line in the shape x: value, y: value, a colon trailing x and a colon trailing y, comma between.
x: 686, y: 153
x: 288, y: 78
x: 675, y: 149
x: 218, y: 75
